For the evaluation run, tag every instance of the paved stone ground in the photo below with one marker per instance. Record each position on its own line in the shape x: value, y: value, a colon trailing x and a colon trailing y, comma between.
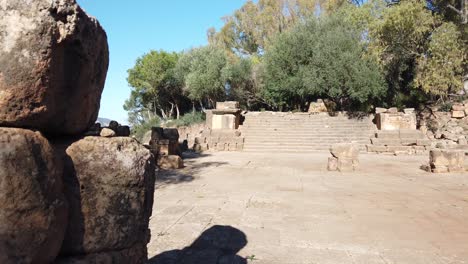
x: 271, y: 208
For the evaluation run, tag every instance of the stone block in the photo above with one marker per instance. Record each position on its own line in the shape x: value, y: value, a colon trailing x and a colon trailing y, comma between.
x: 379, y: 110
x: 423, y: 142
x: 408, y: 141
x: 458, y: 107
x: 385, y: 142
x: 411, y: 134
x: 226, y: 121
x: 392, y: 110
x: 109, y: 184
x: 33, y: 208
x: 419, y: 150
x: 390, y: 134
x: 332, y: 164
x: 401, y: 149
x: 395, y: 121
x: 408, y: 110
x: 376, y: 148
x: 170, y: 162
x: 239, y: 146
x: 458, y: 114
x: 232, y: 146
x: 227, y: 105
x: 345, y: 150
x: 171, y: 133
x: 209, y: 119
x: 107, y: 132
x: 318, y: 107
x: 453, y: 160
x: 220, y: 147
x: 347, y: 164
x: 53, y: 66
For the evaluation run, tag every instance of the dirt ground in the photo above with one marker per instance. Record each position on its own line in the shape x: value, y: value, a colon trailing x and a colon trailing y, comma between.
x: 274, y: 208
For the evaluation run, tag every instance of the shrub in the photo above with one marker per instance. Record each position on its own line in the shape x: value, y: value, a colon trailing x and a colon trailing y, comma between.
x: 187, y: 120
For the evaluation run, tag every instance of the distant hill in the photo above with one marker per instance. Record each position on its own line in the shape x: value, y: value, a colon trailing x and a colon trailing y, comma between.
x: 104, y: 121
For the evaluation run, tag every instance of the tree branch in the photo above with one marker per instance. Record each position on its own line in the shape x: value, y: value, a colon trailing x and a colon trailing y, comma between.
x: 455, y: 9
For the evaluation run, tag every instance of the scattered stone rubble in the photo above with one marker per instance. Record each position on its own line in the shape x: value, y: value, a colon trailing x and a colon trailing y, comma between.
x: 65, y: 198
x: 446, y: 160
x: 446, y: 128
x: 345, y: 157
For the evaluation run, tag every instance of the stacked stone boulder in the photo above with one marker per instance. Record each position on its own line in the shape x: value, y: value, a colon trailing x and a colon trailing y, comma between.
x: 446, y: 160
x: 345, y: 157
x: 447, y: 128
x: 398, y: 134
x: 164, y: 144
x: 397, y: 142
x: 64, y: 198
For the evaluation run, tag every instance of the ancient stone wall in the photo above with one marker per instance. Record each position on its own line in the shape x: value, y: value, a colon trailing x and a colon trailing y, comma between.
x: 200, y: 137
x: 70, y: 191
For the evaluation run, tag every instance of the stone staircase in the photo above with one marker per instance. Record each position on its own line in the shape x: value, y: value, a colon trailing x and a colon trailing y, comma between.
x: 302, y: 132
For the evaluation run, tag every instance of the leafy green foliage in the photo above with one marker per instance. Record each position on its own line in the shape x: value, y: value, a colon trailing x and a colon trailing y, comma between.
x: 139, y: 130
x: 321, y: 58
x: 154, y: 86
x: 440, y: 71
x: 187, y: 120
x: 201, y: 72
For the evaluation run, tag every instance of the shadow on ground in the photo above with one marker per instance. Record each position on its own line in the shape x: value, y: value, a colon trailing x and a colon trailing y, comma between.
x: 190, y: 172
x: 217, y: 245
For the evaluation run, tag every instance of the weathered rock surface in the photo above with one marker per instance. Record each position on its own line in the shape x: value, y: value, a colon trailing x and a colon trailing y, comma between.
x: 109, y: 183
x: 33, y: 209
x: 107, y: 132
x: 446, y: 160
x: 345, y: 157
x: 135, y: 255
x: 170, y: 162
x: 53, y: 65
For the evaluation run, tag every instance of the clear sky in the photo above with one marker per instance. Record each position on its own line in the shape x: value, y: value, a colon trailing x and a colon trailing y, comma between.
x: 136, y: 27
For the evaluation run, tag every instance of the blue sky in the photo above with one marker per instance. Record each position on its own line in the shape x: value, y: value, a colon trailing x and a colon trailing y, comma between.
x: 135, y: 27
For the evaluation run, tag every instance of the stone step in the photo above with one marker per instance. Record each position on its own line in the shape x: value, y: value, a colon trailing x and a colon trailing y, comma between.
x: 313, y: 139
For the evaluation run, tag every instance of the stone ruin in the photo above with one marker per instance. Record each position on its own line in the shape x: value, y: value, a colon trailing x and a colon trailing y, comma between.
x: 397, y: 133
x: 164, y: 144
x: 220, y: 132
x: 65, y: 197
x: 345, y: 157
x: 449, y: 129
x: 318, y: 107
x: 446, y: 160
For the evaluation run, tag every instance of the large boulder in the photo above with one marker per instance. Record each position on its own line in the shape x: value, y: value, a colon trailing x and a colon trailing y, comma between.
x: 33, y: 209
x: 53, y: 65
x: 109, y: 183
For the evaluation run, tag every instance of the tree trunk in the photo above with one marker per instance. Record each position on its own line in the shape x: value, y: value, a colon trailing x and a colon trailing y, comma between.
x: 164, y: 116
x: 171, y: 112
x: 177, y: 111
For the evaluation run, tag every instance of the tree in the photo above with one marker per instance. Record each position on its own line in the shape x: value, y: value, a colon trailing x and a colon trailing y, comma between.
x: 200, y: 71
x: 154, y: 86
x: 439, y: 70
x: 252, y: 27
x: 417, y: 47
x: 321, y: 58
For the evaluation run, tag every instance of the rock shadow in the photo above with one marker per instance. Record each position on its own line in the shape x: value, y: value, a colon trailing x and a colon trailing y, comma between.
x: 217, y: 245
